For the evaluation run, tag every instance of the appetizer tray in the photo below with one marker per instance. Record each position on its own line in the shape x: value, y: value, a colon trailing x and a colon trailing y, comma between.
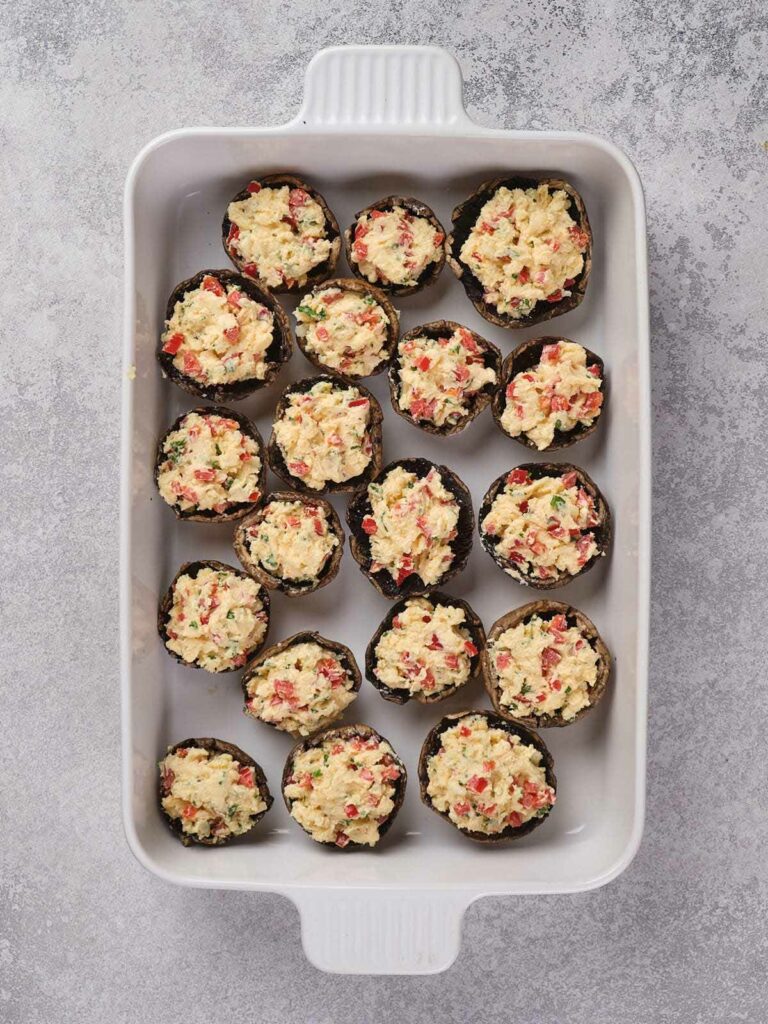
x: 378, y: 121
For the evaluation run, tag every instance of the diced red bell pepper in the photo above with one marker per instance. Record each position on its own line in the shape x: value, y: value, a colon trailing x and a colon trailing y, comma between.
x: 174, y: 343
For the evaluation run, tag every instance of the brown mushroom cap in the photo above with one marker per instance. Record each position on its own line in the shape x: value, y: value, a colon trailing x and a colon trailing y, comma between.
x: 343, y: 653
x: 602, y: 532
x: 471, y: 624
x: 360, y: 506
x: 342, y: 733
x: 546, y: 610
x: 464, y: 218
x: 290, y: 587
x: 375, y: 417
x: 333, y: 234
x: 166, y: 604
x: 430, y: 273
x: 475, y: 402
x: 432, y: 744
x: 238, y: 509
x: 525, y: 357
x: 359, y: 287
x: 214, y: 746
x: 279, y: 351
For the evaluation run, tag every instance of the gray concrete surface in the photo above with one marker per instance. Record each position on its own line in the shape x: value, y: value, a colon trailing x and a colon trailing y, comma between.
x: 85, y: 934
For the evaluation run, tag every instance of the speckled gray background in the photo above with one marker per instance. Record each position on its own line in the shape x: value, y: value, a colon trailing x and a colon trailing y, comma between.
x: 87, y: 935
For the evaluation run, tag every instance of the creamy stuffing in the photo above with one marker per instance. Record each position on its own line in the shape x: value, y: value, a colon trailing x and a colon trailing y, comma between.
x: 395, y: 246
x: 323, y: 434
x: 209, y: 464
x: 211, y: 794
x: 343, y: 329
x: 343, y: 790
x: 486, y: 779
x: 412, y: 523
x: 427, y: 649
x: 544, y: 526
x: 292, y: 540
x: 525, y: 248
x: 301, y: 689
x: 280, y: 234
x: 440, y: 376
x: 559, y: 393
x: 216, y: 620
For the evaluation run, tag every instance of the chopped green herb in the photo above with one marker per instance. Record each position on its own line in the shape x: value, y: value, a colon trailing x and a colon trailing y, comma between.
x: 313, y: 314
x: 557, y: 501
x: 230, y: 614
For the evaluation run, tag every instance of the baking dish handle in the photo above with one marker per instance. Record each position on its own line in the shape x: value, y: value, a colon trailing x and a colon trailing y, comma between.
x: 380, y: 931
x: 383, y: 87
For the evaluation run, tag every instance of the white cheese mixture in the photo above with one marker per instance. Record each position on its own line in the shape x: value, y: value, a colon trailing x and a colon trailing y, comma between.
x: 217, y: 619
x: 525, y: 248
x: 212, y: 795
x: 301, y: 689
x: 343, y: 329
x: 217, y: 335
x: 544, y: 526
x: 292, y: 540
x: 342, y: 790
x: 426, y: 650
x: 280, y: 234
x: 412, y: 524
x: 323, y: 434
x: 559, y: 393
x: 486, y: 779
x: 209, y: 464
x: 544, y: 667
x: 438, y: 376
x: 395, y: 246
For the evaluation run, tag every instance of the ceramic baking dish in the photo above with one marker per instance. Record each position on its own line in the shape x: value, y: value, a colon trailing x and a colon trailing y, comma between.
x: 375, y: 121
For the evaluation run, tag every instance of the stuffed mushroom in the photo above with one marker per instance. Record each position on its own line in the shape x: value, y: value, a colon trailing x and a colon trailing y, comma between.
x: 397, y: 244
x: 210, y: 465
x: 302, y: 684
x: 442, y: 375
x: 279, y: 231
x: 521, y: 246
x: 344, y: 786
x: 211, y: 791
x: 545, y: 664
x: 492, y: 779
x: 223, y: 337
x: 426, y: 648
x: 411, y: 527
x: 544, y: 524
x: 347, y: 326
x: 293, y: 543
x: 213, y: 617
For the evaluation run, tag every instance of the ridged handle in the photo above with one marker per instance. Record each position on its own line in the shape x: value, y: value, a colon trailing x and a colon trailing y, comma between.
x: 380, y: 87
x: 367, y: 931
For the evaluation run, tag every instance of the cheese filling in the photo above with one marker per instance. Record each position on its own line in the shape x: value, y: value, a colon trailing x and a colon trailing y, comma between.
x: 323, y: 434
x: 209, y: 464
x: 292, y: 540
x: 544, y: 526
x: 544, y: 667
x: 301, y: 689
x: 412, y: 523
x: 343, y: 790
x: 395, y: 246
x: 525, y: 248
x: 279, y: 233
x: 217, y: 619
x: 426, y: 650
x: 439, y: 376
x: 343, y: 329
x: 486, y: 779
x: 212, y: 795
x: 218, y: 335
x: 559, y: 393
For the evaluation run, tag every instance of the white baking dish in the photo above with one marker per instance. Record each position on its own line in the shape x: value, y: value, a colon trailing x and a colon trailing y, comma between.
x: 377, y: 120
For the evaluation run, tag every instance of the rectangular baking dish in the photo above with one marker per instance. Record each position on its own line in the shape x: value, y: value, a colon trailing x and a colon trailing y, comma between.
x: 375, y: 121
